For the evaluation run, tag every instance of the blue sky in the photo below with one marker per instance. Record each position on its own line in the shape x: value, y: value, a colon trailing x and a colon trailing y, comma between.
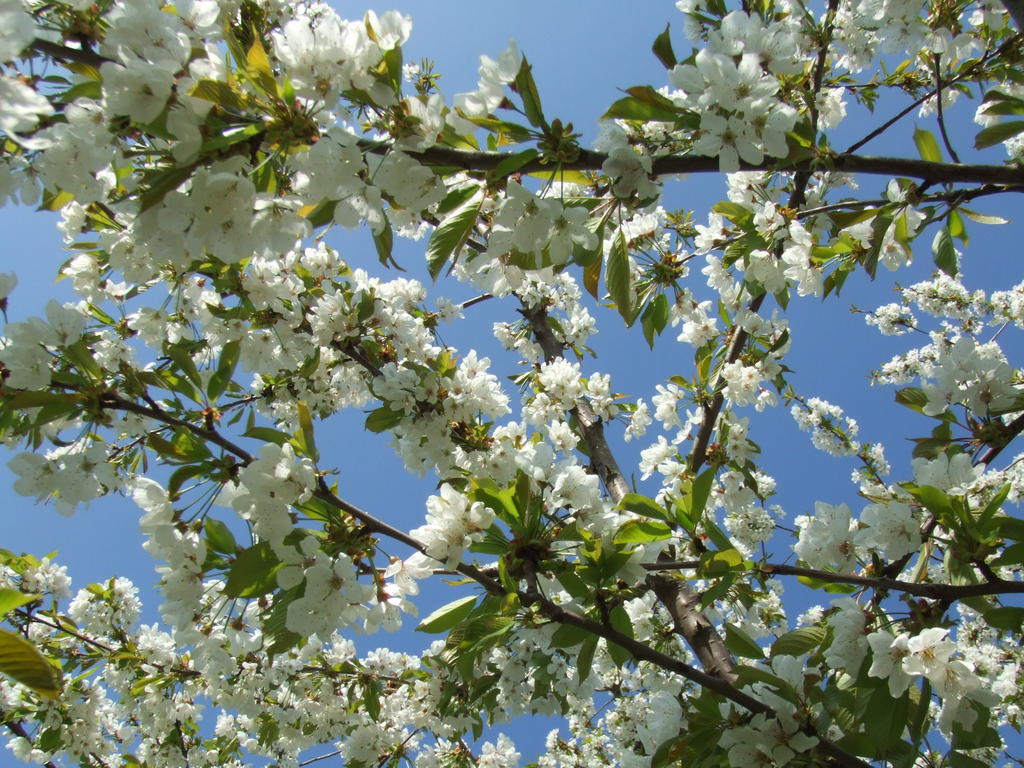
x: 583, y: 53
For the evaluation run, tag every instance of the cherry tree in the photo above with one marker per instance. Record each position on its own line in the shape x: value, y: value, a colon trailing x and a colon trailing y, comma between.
x: 200, y: 152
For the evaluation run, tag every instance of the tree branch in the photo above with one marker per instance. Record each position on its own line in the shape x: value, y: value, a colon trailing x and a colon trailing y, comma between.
x: 1011, y: 430
x: 682, y: 603
x: 953, y: 199
x: 66, y: 53
x: 1016, y: 10
x: 601, y: 455
x: 590, y: 160
x: 55, y: 624
x: 643, y: 652
x: 717, y: 684
x: 375, y: 525
x: 18, y: 729
x: 113, y: 401
x: 948, y: 592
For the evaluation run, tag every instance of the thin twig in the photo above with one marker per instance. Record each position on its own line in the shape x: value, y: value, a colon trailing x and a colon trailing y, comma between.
x: 376, y: 525
x: 18, y: 729
x: 918, y: 102
x: 312, y: 760
x: 110, y: 400
x: 55, y: 624
x: 476, y: 300
x: 939, y: 116
x: 952, y: 198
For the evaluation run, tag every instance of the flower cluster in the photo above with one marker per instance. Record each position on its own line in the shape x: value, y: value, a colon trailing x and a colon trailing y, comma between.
x: 200, y: 154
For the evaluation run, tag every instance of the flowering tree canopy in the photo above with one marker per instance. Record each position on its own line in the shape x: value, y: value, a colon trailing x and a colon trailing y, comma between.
x: 198, y: 152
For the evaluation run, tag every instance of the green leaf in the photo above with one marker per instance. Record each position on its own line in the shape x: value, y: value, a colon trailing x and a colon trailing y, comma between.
x: 1012, y: 555
x: 621, y: 623
x: 957, y: 228
x: 989, y: 512
x: 913, y: 398
x: 447, y: 616
x: 980, y: 735
x: 84, y: 359
x: 452, y: 234
x: 275, y: 621
x: 258, y: 68
x: 393, y: 64
x: 568, y: 636
x: 885, y: 718
x: 27, y: 398
x: 742, y: 644
x: 236, y: 134
x: 959, y: 760
x: 499, y: 500
x: 267, y: 435
x: 642, y: 532
x: 320, y: 214
x: 585, y: 657
x: 505, y: 132
x: 982, y: 218
x: 219, y: 92
x: 220, y: 378
x: 574, y: 585
x: 643, y: 103
x: 159, y: 185
x: 944, y: 252
x: 527, y: 89
x: 22, y: 661
x: 183, y: 362
x: 927, y: 146
x: 383, y: 419
x: 799, y: 641
x: 655, y: 317
x: 513, y: 163
x: 1010, y: 618
x: 14, y: 598
x: 918, y: 714
x: 721, y: 561
x: 642, y: 505
x: 371, y: 697
x: 184, y: 449
x: 618, y: 279
x: 219, y: 537
x: 663, y: 49
x: 1010, y: 528
x: 701, y: 491
x: 383, y: 241
x: 308, y: 439
x: 456, y: 198
x: 844, y: 219
x: 999, y: 103
x: 253, y: 573
x: 937, y: 502
x: 681, y: 508
x: 592, y: 275
x: 998, y: 133
x: 826, y: 585
x: 734, y: 212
